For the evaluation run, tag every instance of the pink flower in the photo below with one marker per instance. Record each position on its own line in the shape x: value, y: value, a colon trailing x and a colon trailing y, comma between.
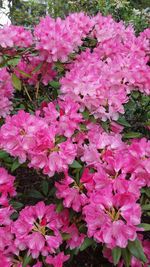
x: 6, y: 239
x: 102, y: 80
x: 54, y: 47
x: 6, y: 186
x: 11, y: 36
x: 70, y: 119
x: 6, y: 91
x: 38, y: 264
x: 51, y: 114
x: 72, y: 193
x: 76, y: 238
x: 5, y: 213
x: 17, y: 134
x: 109, y: 218
x: 58, y: 260
x: 37, y: 229
x: 5, y: 261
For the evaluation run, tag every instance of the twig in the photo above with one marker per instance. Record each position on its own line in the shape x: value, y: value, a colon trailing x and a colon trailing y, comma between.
x: 25, y: 88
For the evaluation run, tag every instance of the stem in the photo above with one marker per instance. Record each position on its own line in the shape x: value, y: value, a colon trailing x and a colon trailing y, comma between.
x: 37, y: 90
x: 25, y: 88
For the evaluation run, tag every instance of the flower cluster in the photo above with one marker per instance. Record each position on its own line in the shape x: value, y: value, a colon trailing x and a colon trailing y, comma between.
x: 6, y: 93
x: 6, y: 187
x: 105, y: 193
x: 39, y: 230
x: 101, y: 80
x: 109, y: 218
x: 15, y: 36
x: 30, y: 137
x: 7, y: 190
x: 56, y: 39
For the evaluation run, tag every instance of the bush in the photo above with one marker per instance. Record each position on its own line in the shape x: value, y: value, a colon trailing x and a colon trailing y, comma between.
x: 74, y: 131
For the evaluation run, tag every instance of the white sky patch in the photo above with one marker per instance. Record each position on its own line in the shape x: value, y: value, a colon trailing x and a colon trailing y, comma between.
x: 3, y: 14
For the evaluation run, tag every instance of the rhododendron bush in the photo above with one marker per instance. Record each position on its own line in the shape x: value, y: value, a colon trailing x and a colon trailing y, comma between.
x: 74, y: 109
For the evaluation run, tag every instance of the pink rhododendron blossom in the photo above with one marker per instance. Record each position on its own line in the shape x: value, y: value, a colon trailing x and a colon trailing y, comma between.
x: 76, y: 238
x: 6, y: 187
x: 5, y: 213
x: 72, y: 193
x: 5, y: 261
x: 6, y: 239
x: 69, y: 117
x: 11, y: 36
x: 69, y: 36
x: 58, y: 260
x: 101, y: 81
x: 6, y: 92
x: 53, y: 158
x: 37, y: 229
x: 32, y: 138
x: 51, y: 114
x: 108, y: 218
x: 17, y: 135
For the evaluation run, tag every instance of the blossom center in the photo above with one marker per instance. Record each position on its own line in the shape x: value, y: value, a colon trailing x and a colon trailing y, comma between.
x: 79, y: 187
x: 39, y: 228
x: 113, y: 214
x: 54, y: 149
x: 22, y: 132
x: 114, y: 176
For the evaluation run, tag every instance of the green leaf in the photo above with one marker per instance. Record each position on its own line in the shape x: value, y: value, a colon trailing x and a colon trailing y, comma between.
x: 87, y: 243
x: 126, y: 256
x: 59, y: 139
x: 146, y: 226
x: 146, y: 191
x: 55, y: 84
x: 8, y: 160
x: 123, y: 122
x: 86, y: 114
x: 59, y: 66
x: 135, y: 94
x: 83, y: 127
x: 35, y: 194
x: 146, y: 207
x: 145, y: 100
x: 14, y: 216
x: 116, y: 253
x: 26, y: 260
x: 51, y: 192
x: 76, y: 165
x: 132, y: 135
x: 16, y: 164
x: 136, y: 250
x: 105, y: 125
x: 16, y: 82
x: 13, y: 62
x: 3, y: 154
x: 45, y: 187
x: 16, y: 204
x: 65, y: 236
x: 59, y: 207
x: 130, y: 106
x: 24, y: 73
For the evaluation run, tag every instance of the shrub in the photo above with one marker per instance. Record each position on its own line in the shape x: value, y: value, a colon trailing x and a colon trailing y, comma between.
x: 75, y: 108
